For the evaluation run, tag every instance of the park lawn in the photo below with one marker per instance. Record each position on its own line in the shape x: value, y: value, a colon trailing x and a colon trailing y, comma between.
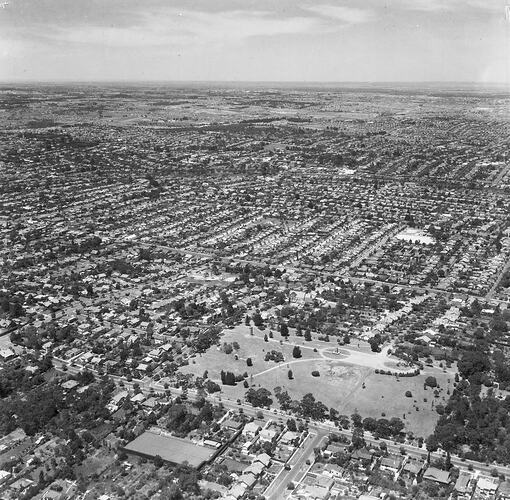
x: 340, y: 386
x: 251, y: 346
x: 355, y: 344
x: 384, y: 394
x: 335, y: 383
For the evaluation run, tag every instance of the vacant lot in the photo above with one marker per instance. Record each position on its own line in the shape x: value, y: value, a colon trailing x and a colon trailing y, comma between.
x: 94, y: 465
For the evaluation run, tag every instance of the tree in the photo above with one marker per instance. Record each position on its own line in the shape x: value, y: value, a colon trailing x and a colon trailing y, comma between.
x: 309, y: 407
x: 308, y: 335
x: 283, y: 398
x: 370, y: 424
x: 259, y: 397
x: 296, y: 352
x: 249, y: 362
x: 448, y: 434
x: 257, y: 319
x: 396, y: 426
x: 476, y: 308
x: 228, y: 378
x: 431, y: 382
x: 473, y: 362
x: 174, y: 493
x: 356, y: 420
x: 432, y: 444
x: 358, y: 440
x: 158, y: 461
x: 290, y: 374
x: 15, y: 309
x: 211, y: 386
x: 431, y: 489
x: 291, y: 425
x: 284, y: 330
x: 375, y: 343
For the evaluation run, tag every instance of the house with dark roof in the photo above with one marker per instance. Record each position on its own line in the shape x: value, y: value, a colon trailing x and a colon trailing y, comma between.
x: 391, y: 463
x: 412, y: 468
x: 363, y: 457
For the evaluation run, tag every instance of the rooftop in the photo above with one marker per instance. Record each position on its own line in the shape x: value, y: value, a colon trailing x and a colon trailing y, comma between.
x: 171, y: 449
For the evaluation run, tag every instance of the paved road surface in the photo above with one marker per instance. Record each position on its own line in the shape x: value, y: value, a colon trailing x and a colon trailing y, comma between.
x: 492, y: 291
x: 276, y: 490
x: 260, y: 262
x: 321, y: 429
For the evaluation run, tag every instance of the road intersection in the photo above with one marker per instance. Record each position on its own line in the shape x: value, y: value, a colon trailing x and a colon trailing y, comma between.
x: 318, y: 430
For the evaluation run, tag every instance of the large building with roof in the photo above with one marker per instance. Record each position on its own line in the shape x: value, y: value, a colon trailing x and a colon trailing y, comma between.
x: 171, y: 449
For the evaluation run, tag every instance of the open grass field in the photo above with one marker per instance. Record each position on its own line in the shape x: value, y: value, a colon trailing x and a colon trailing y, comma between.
x: 341, y: 380
x: 251, y: 346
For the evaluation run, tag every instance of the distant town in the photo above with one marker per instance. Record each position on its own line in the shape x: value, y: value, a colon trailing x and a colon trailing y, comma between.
x: 254, y: 292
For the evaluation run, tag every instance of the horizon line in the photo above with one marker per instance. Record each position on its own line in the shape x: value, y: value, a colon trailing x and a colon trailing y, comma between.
x: 258, y: 82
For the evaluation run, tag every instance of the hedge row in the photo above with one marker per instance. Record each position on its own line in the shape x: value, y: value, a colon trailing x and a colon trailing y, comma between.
x: 398, y: 374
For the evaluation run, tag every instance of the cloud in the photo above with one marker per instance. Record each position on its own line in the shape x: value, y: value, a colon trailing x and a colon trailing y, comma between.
x: 348, y: 15
x: 429, y: 5
x: 172, y: 27
x: 451, y: 5
x: 131, y: 23
x: 252, y: 39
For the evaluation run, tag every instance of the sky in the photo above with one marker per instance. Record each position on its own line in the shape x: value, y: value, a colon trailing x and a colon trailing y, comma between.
x: 255, y: 40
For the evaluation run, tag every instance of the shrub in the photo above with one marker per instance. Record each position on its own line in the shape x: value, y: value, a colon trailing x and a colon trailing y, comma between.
x: 431, y: 381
